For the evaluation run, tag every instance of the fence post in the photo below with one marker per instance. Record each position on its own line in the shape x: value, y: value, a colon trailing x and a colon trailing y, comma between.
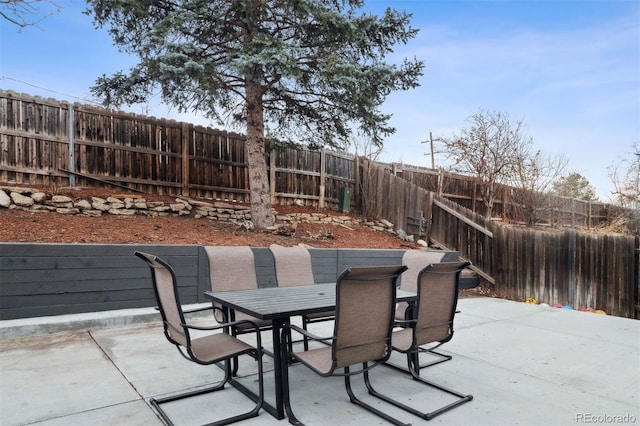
x: 357, y: 191
x: 571, y: 264
x: 72, y: 149
x: 636, y: 287
x: 272, y: 175
x: 187, y: 132
x: 323, y: 177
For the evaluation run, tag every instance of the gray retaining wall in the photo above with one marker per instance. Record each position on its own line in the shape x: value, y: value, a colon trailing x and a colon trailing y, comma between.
x: 54, y: 279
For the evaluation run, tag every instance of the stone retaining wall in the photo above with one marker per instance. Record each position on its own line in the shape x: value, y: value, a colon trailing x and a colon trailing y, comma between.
x: 36, y: 201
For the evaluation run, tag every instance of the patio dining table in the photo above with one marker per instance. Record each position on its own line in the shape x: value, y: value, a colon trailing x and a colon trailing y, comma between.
x: 279, y: 304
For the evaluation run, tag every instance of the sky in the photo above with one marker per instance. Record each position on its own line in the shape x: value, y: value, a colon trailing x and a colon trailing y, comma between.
x: 568, y: 69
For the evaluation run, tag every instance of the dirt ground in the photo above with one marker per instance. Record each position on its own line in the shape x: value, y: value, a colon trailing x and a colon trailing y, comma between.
x: 46, y: 227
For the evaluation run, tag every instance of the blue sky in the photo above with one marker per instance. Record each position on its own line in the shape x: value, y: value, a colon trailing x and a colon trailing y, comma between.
x: 569, y: 69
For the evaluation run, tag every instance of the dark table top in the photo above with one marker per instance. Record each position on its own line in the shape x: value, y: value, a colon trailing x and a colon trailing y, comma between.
x: 285, y: 302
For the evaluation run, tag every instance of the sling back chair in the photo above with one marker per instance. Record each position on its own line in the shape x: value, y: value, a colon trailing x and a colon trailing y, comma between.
x: 233, y: 268
x: 433, y: 323
x: 293, y: 267
x: 365, y: 304
x: 206, y: 350
x: 416, y: 261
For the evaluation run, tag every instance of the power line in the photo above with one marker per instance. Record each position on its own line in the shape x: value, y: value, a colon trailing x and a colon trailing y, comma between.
x: 4, y: 77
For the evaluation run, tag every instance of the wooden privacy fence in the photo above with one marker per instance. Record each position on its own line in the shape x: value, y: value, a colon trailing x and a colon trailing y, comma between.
x: 55, y: 143
x: 567, y: 267
x: 548, y: 209
x: 44, y: 141
x: 454, y: 225
x: 383, y: 195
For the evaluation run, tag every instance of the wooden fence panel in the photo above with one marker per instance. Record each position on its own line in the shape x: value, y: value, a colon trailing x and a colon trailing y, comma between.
x: 604, y: 278
x: 297, y: 175
x: 569, y: 268
x: 33, y: 140
x: 339, y: 174
x: 457, y: 228
x: 218, y: 166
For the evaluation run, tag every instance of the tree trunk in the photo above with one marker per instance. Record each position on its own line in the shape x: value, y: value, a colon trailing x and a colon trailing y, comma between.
x: 261, y: 215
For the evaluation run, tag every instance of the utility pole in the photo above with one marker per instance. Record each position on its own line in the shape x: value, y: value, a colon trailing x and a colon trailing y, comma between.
x: 433, y: 160
x: 431, y: 141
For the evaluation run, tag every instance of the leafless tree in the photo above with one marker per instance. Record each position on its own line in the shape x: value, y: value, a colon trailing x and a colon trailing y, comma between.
x: 26, y: 13
x: 625, y: 175
x: 490, y: 149
x: 532, y: 180
x: 365, y: 147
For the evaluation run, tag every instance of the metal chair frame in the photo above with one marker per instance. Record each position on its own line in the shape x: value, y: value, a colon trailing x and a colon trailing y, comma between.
x: 377, y: 273
x: 415, y: 349
x: 183, y: 342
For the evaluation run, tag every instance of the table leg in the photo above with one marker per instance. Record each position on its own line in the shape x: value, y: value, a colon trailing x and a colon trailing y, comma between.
x: 279, y: 363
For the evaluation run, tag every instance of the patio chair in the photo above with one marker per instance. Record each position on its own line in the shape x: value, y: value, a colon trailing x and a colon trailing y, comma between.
x: 293, y: 267
x: 209, y: 349
x: 365, y: 303
x: 416, y: 261
x: 433, y: 323
x: 233, y: 268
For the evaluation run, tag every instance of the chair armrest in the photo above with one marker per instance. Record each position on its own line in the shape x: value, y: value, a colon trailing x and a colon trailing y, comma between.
x: 222, y: 313
x: 191, y: 311
x: 306, y: 333
x: 222, y: 325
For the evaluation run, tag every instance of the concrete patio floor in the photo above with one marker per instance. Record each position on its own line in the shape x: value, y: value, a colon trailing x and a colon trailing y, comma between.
x: 524, y: 364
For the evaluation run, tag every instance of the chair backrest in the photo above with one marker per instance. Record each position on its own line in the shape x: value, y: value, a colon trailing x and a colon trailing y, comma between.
x: 437, y: 301
x: 293, y: 265
x: 416, y: 260
x: 231, y: 268
x: 365, y: 303
x: 166, y: 290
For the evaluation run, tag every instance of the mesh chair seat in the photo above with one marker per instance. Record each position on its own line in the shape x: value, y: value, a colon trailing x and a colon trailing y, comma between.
x: 217, y: 347
x: 241, y: 328
x: 402, y: 340
x: 318, y: 359
x: 329, y: 315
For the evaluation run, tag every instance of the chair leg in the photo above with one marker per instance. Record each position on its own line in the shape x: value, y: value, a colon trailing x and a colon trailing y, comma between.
x: 355, y: 400
x: 305, y: 339
x: 414, y: 360
x: 461, y: 398
x: 156, y: 403
x: 443, y: 358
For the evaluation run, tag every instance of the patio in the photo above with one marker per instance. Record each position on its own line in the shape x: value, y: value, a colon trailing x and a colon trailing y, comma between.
x: 524, y: 364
